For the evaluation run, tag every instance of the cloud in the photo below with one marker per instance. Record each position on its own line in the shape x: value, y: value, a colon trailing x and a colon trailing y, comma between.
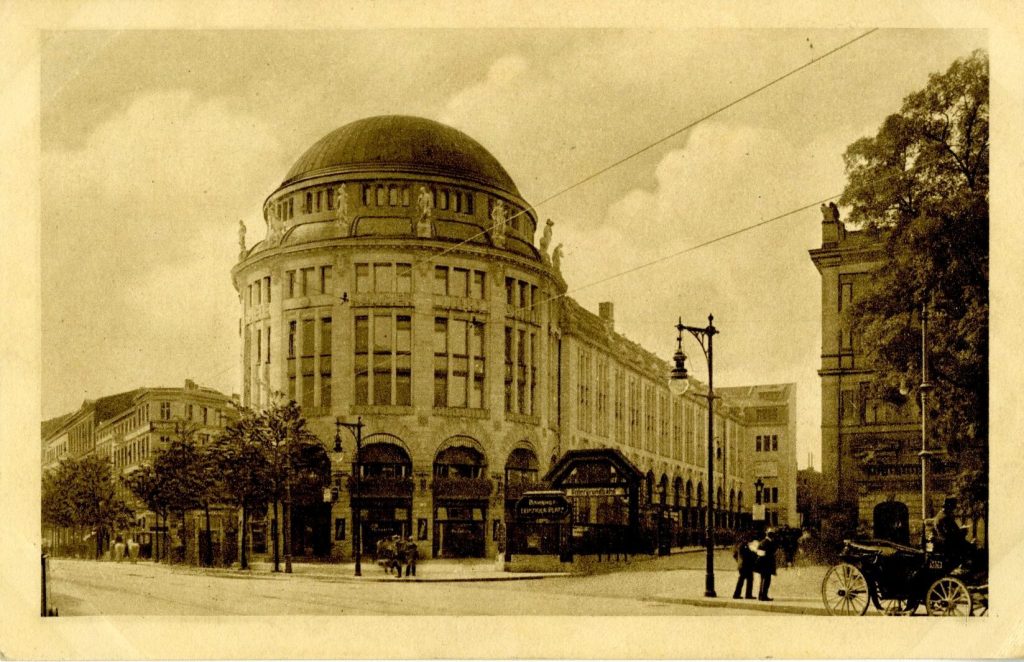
x: 139, y: 231
x: 760, y: 284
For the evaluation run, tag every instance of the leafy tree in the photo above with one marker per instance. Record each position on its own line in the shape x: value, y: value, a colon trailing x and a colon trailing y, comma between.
x: 182, y: 474
x: 285, y: 438
x: 56, y: 504
x: 921, y: 185
x: 81, y: 493
x: 244, y: 470
x: 150, y: 488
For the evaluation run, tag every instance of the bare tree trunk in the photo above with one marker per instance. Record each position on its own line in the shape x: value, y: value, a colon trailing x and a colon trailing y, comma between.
x: 276, y: 532
x: 209, y: 537
x: 244, y: 559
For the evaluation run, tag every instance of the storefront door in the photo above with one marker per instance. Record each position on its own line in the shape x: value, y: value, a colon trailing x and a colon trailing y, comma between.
x: 460, y: 531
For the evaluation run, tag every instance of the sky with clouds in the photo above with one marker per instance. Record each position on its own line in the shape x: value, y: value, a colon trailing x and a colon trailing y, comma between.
x: 155, y: 144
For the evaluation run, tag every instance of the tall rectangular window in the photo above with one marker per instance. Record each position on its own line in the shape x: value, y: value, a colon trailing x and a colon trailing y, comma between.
x: 476, y: 353
x: 308, y: 282
x: 441, y: 281
x: 620, y: 407
x: 440, y: 362
x: 325, y: 361
x: 362, y: 362
x: 509, y: 381
x: 510, y: 291
x: 457, y: 331
x: 383, y: 342
x: 325, y: 280
x: 266, y: 287
x: 476, y: 287
x: 290, y: 277
x: 521, y: 370
x: 649, y: 412
x: 403, y: 360
x: 267, y: 333
x: 165, y: 411
x: 383, y: 375
x: 308, y: 349
x: 292, y: 330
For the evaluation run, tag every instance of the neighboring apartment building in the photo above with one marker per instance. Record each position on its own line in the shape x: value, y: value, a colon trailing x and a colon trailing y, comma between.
x: 128, y: 428
x: 770, y: 414
x: 869, y: 447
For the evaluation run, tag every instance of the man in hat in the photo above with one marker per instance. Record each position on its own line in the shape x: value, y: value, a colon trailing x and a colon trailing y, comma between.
x: 949, y: 536
x: 765, y: 565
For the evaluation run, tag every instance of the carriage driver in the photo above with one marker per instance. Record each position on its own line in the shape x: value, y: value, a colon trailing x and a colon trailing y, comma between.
x: 950, y: 538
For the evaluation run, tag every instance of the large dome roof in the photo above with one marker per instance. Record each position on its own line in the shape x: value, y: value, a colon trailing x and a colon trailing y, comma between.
x: 402, y: 143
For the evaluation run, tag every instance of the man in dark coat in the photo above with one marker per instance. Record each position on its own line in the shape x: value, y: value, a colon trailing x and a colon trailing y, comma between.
x: 766, y: 564
x: 949, y: 537
x: 745, y: 560
x: 409, y: 556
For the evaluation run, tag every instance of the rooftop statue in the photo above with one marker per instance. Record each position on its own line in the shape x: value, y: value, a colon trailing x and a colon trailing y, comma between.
x: 499, y: 217
x: 425, y: 205
x: 545, y: 240
x: 241, y: 236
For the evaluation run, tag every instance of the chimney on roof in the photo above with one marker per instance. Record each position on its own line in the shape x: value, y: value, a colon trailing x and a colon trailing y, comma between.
x: 190, y: 385
x: 606, y: 309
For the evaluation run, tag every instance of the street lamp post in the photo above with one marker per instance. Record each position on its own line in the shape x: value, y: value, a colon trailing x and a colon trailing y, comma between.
x: 680, y: 382
x: 357, y: 431
x: 923, y: 391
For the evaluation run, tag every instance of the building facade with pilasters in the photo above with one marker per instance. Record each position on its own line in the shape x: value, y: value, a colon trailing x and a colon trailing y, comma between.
x: 870, y: 445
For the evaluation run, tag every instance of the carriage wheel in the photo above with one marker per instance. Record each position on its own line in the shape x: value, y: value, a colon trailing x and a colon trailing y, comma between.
x: 845, y: 591
x: 948, y: 596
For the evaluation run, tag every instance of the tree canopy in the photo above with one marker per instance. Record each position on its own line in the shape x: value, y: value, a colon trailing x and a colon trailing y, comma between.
x: 921, y: 184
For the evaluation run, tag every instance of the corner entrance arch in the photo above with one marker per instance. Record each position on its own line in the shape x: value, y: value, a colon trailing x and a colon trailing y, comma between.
x: 461, y: 495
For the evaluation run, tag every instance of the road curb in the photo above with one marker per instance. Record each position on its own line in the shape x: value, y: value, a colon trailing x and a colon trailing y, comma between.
x: 744, y: 604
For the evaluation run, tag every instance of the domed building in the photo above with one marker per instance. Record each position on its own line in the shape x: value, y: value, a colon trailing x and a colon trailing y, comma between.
x: 402, y: 280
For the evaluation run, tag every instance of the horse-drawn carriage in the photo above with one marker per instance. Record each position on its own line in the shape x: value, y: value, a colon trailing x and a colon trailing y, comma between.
x: 897, y: 579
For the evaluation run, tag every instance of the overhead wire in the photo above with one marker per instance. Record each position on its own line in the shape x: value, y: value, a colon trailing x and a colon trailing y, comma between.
x: 667, y: 137
x: 733, y: 233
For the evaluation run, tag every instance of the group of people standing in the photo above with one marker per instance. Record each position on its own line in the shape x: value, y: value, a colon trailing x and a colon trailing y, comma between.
x: 755, y: 556
x: 119, y: 548
x: 397, y: 553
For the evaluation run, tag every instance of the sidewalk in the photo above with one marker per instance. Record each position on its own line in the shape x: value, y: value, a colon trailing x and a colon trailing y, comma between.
x: 430, y: 570
x: 794, y: 590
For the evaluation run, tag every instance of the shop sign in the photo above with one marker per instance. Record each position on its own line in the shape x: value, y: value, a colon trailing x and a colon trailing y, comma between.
x: 891, y: 470
x: 595, y: 491
x: 542, y: 506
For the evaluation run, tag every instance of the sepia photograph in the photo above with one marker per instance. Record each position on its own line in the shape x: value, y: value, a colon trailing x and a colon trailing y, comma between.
x: 496, y: 321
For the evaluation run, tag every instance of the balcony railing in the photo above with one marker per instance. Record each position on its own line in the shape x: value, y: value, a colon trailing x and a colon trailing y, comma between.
x: 462, y: 488
x: 376, y: 487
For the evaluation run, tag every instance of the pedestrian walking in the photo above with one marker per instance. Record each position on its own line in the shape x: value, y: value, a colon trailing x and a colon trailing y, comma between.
x: 410, y: 554
x: 133, y: 550
x: 746, y: 556
x: 765, y: 564
x: 386, y: 554
x: 396, y: 555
